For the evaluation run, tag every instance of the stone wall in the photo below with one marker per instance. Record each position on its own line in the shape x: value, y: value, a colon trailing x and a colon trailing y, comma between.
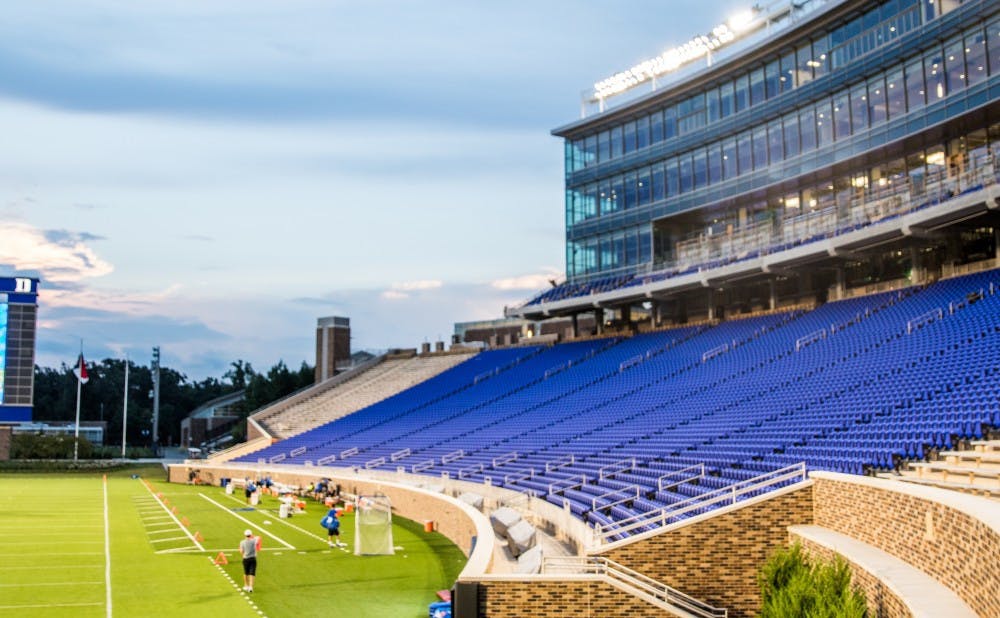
x: 548, y: 597
x: 882, y: 602
x: 715, y: 558
x: 932, y: 529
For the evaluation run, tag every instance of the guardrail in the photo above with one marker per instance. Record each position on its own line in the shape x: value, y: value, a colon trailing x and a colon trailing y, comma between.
x: 277, y: 458
x: 329, y: 459
x: 514, y: 477
x: 638, y: 584
x: 470, y: 470
x: 504, y: 459
x: 424, y: 465
x: 452, y: 456
x: 399, y: 454
x: 571, y: 483
x: 685, y: 474
x: 344, y: 454
x: 560, y: 462
x: 805, y: 340
x: 924, y: 318
x: 374, y: 463
x: 295, y: 452
x: 718, y: 497
x: 625, y: 492
x: 635, y: 360
x: 621, y: 465
x: 722, y: 349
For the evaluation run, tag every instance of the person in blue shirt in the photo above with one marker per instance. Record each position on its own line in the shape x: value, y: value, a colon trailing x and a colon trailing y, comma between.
x: 332, y: 524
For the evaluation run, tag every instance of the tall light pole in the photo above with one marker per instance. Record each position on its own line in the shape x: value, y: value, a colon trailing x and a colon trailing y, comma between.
x: 125, y: 409
x: 156, y: 397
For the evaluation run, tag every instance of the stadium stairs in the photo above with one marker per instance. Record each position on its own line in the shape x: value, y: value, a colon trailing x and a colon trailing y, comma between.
x: 975, y: 470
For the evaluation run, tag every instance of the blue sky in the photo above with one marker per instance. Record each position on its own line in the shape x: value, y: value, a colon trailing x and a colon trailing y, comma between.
x: 211, y: 177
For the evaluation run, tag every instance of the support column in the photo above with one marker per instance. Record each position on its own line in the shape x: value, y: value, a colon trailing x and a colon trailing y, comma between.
x: 772, y: 296
x: 599, y: 321
x: 576, y: 325
x: 711, y: 304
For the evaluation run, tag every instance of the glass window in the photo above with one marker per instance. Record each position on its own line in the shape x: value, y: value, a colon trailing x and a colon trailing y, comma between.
x: 876, y: 100
x: 687, y: 177
x: 700, y: 169
x: 841, y: 116
x: 642, y: 132
x: 645, y: 245
x: 757, y: 86
x: 804, y: 64
x: 993, y: 45
x: 895, y: 93
x: 821, y: 61
x: 745, y: 158
x: 712, y: 103
x: 673, y: 181
x: 915, y: 91
x: 788, y: 72
x: 772, y: 79
x: 670, y: 122
x: 714, y: 163
x: 934, y: 76
x: 643, y: 188
x: 741, y: 92
x: 607, y: 200
x: 726, y: 99
x: 807, y: 129
x: 656, y: 127
x: 859, y: 108
x: 629, y: 141
x: 790, y: 125
x: 604, y: 146
x: 730, y: 165
x: 590, y: 194
x: 760, y: 148
x: 775, y: 142
x: 616, y: 142
x: 631, y: 248
x: 617, y: 193
x: 954, y: 59
x: 824, y: 124
x: 629, y: 191
x: 658, y: 180
x: 975, y: 54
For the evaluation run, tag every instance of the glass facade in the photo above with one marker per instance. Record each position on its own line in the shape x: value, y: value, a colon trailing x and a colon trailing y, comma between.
x: 826, y: 98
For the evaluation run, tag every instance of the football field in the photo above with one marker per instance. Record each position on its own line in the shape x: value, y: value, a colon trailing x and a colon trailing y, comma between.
x: 86, y: 545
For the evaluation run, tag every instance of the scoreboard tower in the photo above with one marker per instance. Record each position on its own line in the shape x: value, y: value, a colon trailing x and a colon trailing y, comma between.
x: 18, y: 323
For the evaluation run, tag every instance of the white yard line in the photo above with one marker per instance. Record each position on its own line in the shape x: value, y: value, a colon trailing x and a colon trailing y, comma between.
x: 107, y: 549
x: 51, y: 584
x: 52, y: 567
x: 179, y: 524
x: 49, y: 605
x: 248, y: 522
x: 173, y: 538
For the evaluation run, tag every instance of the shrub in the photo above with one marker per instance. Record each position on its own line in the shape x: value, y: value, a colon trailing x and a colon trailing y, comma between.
x: 792, y: 586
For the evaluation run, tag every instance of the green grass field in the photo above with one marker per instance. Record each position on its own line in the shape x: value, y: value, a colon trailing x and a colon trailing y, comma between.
x: 75, y: 546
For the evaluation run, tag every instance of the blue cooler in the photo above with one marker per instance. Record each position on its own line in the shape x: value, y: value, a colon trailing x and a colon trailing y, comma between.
x: 441, y: 609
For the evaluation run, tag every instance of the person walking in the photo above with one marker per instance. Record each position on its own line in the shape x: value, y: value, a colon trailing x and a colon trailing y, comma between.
x: 332, y: 524
x: 248, y: 550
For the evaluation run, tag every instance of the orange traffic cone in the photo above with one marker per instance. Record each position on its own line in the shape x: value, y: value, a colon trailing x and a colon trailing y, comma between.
x: 198, y: 537
x: 221, y: 558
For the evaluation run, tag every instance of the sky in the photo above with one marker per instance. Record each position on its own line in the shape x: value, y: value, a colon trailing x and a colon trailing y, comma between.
x: 212, y: 177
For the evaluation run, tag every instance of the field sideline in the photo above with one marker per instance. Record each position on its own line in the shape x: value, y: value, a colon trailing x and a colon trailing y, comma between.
x: 77, y: 545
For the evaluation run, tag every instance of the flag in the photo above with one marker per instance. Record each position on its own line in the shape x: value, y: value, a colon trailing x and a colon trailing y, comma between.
x: 80, y: 371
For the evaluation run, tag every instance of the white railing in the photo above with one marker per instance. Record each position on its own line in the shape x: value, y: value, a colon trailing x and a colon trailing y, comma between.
x: 622, y: 465
x: 718, y: 497
x: 329, y: 459
x: 926, y: 318
x: 470, y: 470
x: 277, y: 458
x: 572, y: 482
x: 452, y: 456
x: 348, y: 452
x: 374, y: 463
x: 805, y: 340
x: 504, y: 459
x: 638, y: 584
x: 684, y: 475
x: 722, y: 349
x: 627, y: 494
x: 514, y: 477
x: 424, y: 465
x: 625, y: 364
x: 295, y: 452
x: 551, y: 371
x: 560, y: 462
x: 399, y: 454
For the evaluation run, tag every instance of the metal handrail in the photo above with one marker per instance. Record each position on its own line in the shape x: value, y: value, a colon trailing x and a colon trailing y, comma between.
x: 701, y: 474
x: 638, y: 583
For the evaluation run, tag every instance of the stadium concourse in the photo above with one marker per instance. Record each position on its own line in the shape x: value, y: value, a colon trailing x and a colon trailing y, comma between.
x: 611, y: 441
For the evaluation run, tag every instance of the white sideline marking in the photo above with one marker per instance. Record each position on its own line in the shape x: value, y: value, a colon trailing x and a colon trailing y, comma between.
x: 49, y: 605
x: 179, y: 525
x: 107, y: 549
x: 250, y: 523
x: 288, y: 523
x: 173, y: 538
x: 60, y: 543
x: 49, y: 566
x: 51, y: 584
x: 65, y: 553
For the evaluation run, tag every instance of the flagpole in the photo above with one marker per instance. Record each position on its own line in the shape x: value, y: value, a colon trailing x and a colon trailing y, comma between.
x: 76, y: 427
x: 125, y: 408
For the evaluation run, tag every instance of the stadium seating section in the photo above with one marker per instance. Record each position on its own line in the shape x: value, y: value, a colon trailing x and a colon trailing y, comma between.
x: 616, y: 427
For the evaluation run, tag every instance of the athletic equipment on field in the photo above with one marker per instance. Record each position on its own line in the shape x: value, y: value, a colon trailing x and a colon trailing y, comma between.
x: 373, y: 526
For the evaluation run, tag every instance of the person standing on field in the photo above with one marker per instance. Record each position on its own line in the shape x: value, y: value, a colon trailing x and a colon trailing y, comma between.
x: 248, y: 550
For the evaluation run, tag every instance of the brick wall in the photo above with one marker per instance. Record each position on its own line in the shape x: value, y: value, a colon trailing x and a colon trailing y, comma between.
x: 918, y: 526
x: 547, y: 598
x: 882, y: 602
x: 716, y: 559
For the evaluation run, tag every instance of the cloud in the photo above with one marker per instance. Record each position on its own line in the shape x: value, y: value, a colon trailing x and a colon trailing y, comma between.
x: 55, y: 255
x: 412, y: 286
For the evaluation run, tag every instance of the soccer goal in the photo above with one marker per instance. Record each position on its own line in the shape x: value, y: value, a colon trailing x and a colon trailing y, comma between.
x: 373, y: 526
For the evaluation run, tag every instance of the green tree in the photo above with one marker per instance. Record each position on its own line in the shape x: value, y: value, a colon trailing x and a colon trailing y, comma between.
x: 792, y: 586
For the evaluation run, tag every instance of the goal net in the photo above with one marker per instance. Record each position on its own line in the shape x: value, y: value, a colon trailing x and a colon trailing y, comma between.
x: 373, y: 526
